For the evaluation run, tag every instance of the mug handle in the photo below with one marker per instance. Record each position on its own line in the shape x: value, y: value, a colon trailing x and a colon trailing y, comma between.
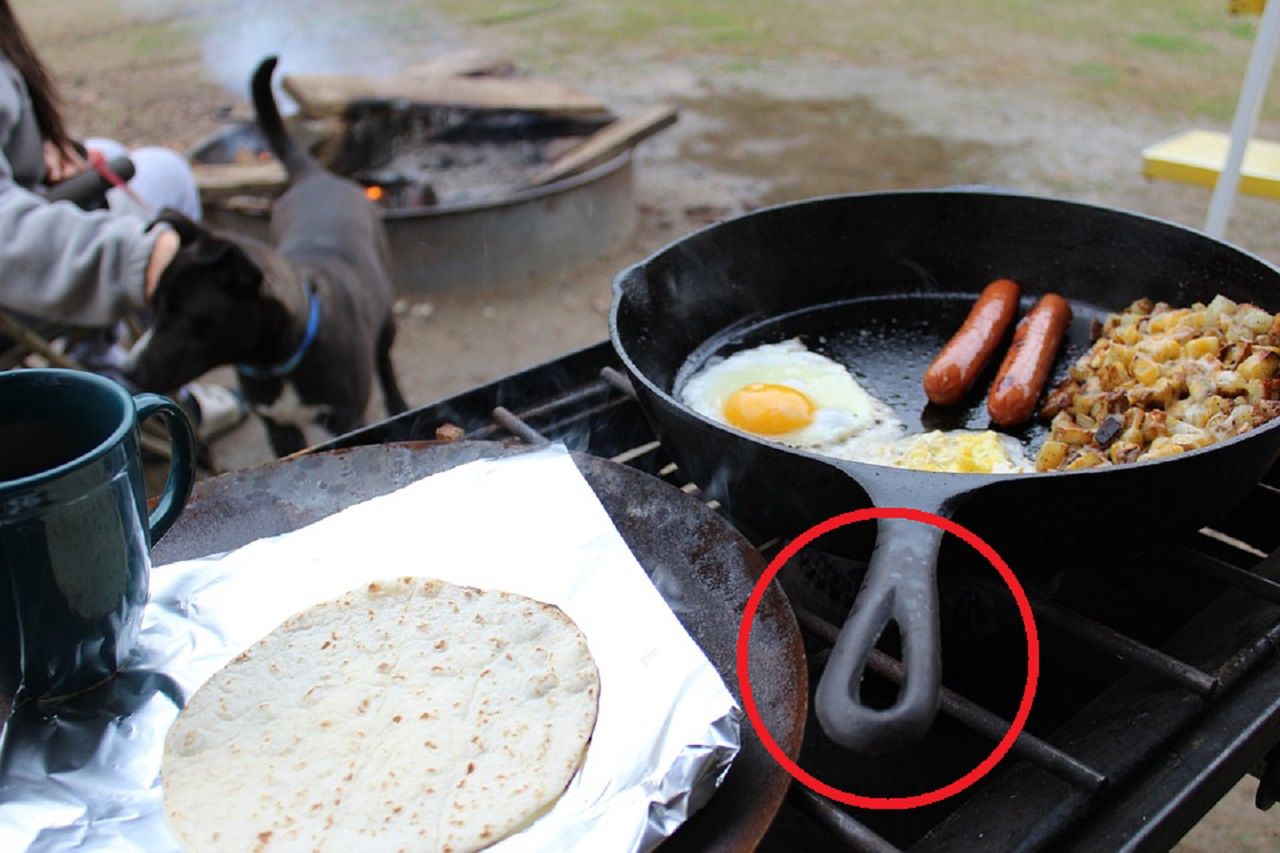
x: 182, y: 463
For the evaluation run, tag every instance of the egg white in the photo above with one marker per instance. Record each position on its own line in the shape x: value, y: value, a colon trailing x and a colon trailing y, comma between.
x: 841, y: 406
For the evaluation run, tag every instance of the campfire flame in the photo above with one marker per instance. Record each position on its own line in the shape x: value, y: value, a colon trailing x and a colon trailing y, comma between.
x: 373, y: 192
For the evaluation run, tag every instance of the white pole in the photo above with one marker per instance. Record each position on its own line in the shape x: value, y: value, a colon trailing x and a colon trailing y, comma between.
x: 1247, y: 108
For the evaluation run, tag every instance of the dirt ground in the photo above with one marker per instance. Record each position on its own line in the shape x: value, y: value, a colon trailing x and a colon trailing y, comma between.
x: 778, y: 102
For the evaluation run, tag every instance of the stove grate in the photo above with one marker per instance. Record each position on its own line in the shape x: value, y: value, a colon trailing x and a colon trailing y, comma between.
x: 1119, y: 767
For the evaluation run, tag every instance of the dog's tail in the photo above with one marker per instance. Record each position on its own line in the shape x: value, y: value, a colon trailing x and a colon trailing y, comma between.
x: 295, y: 160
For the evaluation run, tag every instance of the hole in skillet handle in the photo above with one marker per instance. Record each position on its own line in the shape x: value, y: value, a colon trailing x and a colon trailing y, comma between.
x: 901, y: 588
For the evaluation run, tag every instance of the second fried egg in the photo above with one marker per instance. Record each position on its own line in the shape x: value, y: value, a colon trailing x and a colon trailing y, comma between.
x: 783, y: 392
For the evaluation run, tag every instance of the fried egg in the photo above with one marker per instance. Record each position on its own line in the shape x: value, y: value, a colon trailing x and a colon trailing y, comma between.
x: 960, y: 451
x: 782, y: 392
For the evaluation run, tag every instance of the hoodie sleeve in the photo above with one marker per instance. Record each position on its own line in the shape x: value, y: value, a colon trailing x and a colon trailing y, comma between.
x: 58, y: 262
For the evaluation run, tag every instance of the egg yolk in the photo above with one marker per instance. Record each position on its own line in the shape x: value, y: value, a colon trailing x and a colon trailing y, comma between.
x: 768, y: 409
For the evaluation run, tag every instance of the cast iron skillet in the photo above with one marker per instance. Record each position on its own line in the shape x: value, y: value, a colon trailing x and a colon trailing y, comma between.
x: 879, y: 282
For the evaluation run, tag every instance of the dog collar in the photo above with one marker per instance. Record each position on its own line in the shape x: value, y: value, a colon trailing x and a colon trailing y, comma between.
x: 284, y: 368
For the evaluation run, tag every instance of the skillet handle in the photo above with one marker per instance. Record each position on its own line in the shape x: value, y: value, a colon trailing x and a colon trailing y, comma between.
x: 901, y: 587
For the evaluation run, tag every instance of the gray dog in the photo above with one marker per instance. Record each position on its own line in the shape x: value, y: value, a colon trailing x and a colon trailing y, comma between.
x: 307, y: 323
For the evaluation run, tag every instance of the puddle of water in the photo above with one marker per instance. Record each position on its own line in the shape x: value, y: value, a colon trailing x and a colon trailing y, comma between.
x: 805, y: 148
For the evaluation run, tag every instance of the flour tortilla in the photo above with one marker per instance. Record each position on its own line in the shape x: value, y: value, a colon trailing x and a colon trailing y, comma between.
x: 409, y: 714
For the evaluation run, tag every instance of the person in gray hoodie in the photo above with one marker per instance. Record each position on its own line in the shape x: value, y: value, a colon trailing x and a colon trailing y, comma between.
x: 57, y: 262
x: 66, y: 267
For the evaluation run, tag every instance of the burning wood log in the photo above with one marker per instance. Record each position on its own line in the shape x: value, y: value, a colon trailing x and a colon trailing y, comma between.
x: 320, y: 95
x: 606, y: 143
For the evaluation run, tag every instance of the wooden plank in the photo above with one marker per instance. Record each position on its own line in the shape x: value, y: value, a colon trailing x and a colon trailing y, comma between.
x: 472, y: 62
x: 320, y: 95
x: 607, y: 142
x: 220, y: 181
x: 1198, y: 156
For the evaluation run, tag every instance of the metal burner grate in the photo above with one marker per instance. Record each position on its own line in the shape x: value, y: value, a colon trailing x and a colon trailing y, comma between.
x: 1149, y: 718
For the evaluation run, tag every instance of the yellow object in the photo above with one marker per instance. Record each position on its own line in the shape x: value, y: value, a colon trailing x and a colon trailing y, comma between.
x: 1246, y: 7
x: 767, y: 409
x: 1197, y: 156
x: 960, y: 453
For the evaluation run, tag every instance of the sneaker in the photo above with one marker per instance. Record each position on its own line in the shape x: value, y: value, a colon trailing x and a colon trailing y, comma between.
x: 214, y: 409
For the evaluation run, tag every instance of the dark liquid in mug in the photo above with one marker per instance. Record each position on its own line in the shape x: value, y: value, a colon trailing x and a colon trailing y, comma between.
x: 29, y: 448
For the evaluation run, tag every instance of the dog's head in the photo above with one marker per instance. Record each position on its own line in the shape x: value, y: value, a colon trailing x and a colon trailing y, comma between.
x: 209, y: 308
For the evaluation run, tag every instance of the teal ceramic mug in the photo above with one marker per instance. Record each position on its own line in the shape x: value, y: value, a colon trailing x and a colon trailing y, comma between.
x: 75, y: 534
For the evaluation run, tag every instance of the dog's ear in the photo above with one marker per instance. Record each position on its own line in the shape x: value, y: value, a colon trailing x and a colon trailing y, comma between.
x: 246, y: 276
x: 211, y: 256
x: 185, y: 227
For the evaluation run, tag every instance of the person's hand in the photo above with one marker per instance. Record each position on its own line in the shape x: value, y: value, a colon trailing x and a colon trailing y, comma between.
x: 162, y: 253
x: 61, y: 163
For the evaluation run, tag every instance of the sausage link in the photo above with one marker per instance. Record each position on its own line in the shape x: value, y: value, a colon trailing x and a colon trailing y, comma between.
x: 955, y: 368
x: 1025, y: 368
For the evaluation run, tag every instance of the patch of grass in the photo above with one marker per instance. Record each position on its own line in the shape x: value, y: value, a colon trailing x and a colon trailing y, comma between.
x: 148, y: 41
x: 1096, y: 73
x: 1247, y: 30
x: 1170, y: 43
x: 1183, y: 58
x: 517, y: 13
x: 719, y: 24
x: 1216, y: 109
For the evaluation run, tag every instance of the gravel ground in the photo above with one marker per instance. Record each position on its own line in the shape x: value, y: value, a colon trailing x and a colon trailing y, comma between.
x: 916, y: 104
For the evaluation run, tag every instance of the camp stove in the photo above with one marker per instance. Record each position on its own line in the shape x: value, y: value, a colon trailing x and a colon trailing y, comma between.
x: 1159, y: 684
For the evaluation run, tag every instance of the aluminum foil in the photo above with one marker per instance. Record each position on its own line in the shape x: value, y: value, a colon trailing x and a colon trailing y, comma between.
x: 667, y: 729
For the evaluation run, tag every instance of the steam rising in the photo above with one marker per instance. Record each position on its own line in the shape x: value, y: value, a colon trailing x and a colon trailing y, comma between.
x: 310, y: 36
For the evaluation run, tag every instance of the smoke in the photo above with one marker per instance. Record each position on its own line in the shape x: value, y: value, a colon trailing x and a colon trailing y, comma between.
x: 366, y: 37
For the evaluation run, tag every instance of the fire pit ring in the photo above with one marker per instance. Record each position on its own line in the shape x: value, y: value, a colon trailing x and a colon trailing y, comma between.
x: 522, y: 236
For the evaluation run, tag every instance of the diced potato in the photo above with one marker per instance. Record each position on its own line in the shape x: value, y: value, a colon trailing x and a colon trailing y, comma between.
x: 1160, y: 348
x: 1254, y: 319
x: 1265, y: 411
x: 1202, y: 346
x: 1121, y: 452
x: 1113, y: 376
x: 1180, y: 379
x: 1240, y: 419
x: 1167, y: 320
x: 1052, y: 454
x: 1120, y: 355
x: 1084, y: 403
x: 1219, y: 305
x: 1086, y: 460
x: 1164, y: 391
x: 1261, y: 364
x: 1191, y: 441
x: 1074, y: 435
x: 1229, y: 383
x: 1145, y: 371
x: 1161, y: 448
x: 1236, y: 353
